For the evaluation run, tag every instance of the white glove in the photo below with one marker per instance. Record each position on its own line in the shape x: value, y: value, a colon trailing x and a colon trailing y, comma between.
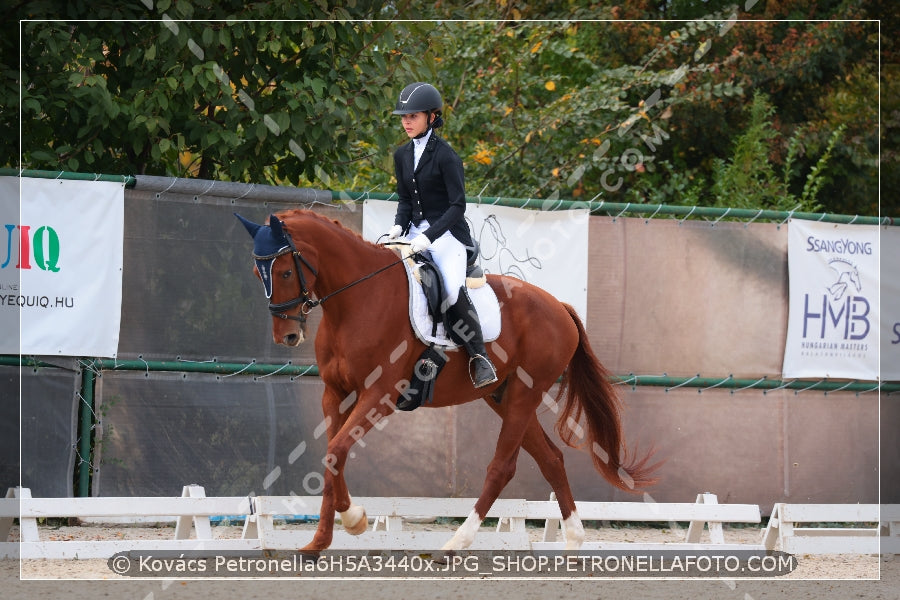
x: 419, y: 243
x: 394, y: 232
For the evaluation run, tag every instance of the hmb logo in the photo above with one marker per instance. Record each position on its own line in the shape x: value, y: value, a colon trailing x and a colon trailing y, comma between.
x: 841, y: 311
x: 42, y: 245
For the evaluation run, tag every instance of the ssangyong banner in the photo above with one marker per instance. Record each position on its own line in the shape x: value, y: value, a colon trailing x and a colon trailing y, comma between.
x: 890, y: 303
x: 833, y: 317
x: 60, y: 266
x: 546, y: 248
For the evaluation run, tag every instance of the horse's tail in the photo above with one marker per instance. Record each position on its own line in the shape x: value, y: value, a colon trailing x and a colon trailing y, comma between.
x: 588, y: 392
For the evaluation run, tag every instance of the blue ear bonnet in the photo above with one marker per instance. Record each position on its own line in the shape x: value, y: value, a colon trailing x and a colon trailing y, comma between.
x: 269, y: 242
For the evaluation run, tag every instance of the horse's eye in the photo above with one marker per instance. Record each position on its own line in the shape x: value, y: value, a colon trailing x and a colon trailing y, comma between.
x: 287, y: 275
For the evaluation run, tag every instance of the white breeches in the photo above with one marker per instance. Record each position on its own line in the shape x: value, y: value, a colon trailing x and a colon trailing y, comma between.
x: 449, y: 255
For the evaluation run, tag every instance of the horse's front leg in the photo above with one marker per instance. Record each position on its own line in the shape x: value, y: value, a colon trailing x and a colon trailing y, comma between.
x: 337, y: 408
x: 344, y: 429
x: 333, y: 491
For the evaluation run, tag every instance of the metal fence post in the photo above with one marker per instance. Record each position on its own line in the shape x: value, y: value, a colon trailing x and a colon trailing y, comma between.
x: 86, y: 412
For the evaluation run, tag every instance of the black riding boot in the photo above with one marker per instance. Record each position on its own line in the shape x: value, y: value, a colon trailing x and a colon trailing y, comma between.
x: 465, y: 329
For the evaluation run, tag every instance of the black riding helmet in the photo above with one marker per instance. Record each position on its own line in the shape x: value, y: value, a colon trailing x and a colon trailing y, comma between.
x: 418, y: 97
x: 421, y: 97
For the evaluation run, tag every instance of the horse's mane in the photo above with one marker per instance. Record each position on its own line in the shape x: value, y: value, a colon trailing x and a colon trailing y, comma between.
x: 328, y: 222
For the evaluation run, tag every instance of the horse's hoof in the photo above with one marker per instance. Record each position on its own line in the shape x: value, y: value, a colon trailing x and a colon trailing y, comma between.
x: 312, y: 549
x: 354, y: 520
x: 465, y: 535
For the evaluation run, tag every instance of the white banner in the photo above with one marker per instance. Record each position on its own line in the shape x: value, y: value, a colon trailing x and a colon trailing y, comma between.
x: 833, y: 317
x: 60, y: 266
x: 546, y: 248
x: 890, y: 303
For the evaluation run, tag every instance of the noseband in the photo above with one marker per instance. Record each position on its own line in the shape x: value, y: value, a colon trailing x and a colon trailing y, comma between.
x: 304, y: 299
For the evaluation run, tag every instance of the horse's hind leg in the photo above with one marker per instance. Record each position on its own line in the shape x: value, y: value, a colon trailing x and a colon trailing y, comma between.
x: 549, y: 459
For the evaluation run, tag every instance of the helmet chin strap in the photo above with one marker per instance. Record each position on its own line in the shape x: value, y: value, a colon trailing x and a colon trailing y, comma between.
x: 432, y: 124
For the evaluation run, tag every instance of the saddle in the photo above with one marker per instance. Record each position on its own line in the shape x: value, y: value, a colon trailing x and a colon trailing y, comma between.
x: 429, y: 276
x: 426, y: 272
x: 429, y: 365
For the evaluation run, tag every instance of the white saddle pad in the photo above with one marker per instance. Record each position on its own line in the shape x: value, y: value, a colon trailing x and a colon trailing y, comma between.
x: 486, y: 305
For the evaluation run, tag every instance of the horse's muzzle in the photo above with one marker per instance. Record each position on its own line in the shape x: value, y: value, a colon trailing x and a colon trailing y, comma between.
x: 291, y: 339
x: 288, y: 332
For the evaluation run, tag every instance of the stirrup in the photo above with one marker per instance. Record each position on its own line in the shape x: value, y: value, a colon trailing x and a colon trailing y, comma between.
x: 485, y: 378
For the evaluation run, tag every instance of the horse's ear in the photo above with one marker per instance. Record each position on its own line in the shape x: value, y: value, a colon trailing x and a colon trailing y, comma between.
x: 276, y: 225
x: 252, y: 227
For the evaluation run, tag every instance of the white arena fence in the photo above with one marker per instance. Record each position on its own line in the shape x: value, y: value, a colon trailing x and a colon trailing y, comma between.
x: 852, y: 528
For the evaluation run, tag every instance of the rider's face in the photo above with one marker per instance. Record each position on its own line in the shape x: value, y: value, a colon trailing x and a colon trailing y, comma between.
x: 414, y: 123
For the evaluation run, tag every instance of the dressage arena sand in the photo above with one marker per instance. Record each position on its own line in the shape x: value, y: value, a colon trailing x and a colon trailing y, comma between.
x: 834, y: 576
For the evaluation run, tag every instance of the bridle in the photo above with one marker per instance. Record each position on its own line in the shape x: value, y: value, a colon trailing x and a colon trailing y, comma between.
x: 305, y: 299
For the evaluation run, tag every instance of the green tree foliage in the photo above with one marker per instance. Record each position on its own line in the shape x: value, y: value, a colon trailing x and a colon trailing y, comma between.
x: 889, y: 79
x: 626, y: 109
x: 548, y: 118
x: 815, y: 61
x: 820, y: 77
x: 273, y: 101
x: 750, y: 180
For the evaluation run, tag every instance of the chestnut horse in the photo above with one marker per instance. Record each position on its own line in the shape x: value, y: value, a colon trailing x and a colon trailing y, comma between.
x: 365, y: 346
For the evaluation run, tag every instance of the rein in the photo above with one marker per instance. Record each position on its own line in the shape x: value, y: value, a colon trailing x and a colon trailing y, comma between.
x: 360, y: 280
x: 305, y: 300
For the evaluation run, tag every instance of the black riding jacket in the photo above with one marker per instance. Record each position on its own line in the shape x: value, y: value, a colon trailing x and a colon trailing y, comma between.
x: 435, y: 191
